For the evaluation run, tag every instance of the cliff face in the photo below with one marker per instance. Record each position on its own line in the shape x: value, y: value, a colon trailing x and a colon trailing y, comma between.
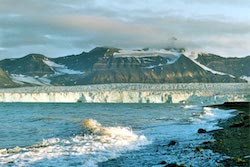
x: 235, y: 66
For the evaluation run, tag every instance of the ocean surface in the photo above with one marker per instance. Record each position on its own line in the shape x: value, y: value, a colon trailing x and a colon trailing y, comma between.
x: 77, y: 134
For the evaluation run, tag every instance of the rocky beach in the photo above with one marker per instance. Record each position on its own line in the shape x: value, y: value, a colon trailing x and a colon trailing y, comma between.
x: 234, y: 139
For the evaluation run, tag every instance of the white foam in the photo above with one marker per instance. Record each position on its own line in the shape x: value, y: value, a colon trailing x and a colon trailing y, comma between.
x: 187, y: 137
x: 207, y: 111
x: 215, y: 113
x: 101, y: 144
x: 190, y: 106
x: 209, y: 117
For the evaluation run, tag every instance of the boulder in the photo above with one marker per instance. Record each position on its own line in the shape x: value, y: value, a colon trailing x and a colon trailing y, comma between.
x: 202, y: 130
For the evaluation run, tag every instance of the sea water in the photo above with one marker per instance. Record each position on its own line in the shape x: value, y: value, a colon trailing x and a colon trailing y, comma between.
x: 57, y: 134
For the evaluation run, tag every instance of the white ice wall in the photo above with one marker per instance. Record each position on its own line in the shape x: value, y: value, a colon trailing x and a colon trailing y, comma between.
x: 98, y: 97
x: 125, y: 93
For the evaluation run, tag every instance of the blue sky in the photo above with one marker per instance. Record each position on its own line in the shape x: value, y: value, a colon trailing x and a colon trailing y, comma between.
x: 61, y: 27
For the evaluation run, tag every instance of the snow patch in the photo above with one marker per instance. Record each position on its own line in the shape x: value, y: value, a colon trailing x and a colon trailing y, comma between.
x: 192, y: 57
x: 147, y: 53
x: 59, y: 68
x: 154, y: 66
x: 22, y: 79
x: 145, y: 56
x: 246, y: 78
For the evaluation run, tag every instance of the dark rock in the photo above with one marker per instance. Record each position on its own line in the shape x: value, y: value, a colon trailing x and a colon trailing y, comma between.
x: 247, y: 126
x: 162, y: 162
x: 239, y: 160
x: 246, y: 117
x: 172, y: 143
x: 242, y: 106
x: 233, y: 141
x: 174, y: 165
x: 198, y: 149
x: 171, y: 165
x: 202, y: 131
x: 237, y: 125
x: 207, y: 142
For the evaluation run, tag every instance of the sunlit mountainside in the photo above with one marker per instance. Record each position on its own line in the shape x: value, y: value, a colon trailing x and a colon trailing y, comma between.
x: 104, y: 65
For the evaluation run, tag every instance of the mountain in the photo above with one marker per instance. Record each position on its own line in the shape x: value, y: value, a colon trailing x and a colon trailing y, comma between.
x: 34, y: 69
x: 85, y: 60
x: 235, y: 66
x: 5, y: 80
x: 150, y: 70
x: 104, y: 65
x: 110, y: 65
x: 31, y: 65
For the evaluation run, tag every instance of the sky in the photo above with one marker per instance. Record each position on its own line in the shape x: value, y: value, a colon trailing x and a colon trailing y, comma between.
x: 64, y: 27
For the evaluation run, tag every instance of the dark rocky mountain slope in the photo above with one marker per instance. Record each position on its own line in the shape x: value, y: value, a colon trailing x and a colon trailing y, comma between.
x: 121, y: 70
x: 104, y: 65
x: 85, y: 60
x: 5, y: 80
x: 31, y: 65
x: 235, y: 66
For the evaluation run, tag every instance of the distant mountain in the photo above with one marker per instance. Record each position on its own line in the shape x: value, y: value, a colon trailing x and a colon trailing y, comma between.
x: 150, y: 70
x: 5, y: 80
x: 104, y: 65
x: 235, y: 66
x: 85, y: 60
x: 31, y: 65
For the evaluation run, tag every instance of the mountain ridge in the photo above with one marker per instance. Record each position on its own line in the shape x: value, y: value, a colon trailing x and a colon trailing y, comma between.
x: 222, y: 64
x: 112, y: 65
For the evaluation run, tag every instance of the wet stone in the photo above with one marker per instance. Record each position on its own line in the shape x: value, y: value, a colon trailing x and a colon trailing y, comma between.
x: 237, y: 125
x: 202, y: 130
x: 174, y: 165
x: 162, y: 162
x: 172, y: 143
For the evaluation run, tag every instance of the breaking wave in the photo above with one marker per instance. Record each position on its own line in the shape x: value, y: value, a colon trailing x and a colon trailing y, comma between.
x: 98, y: 145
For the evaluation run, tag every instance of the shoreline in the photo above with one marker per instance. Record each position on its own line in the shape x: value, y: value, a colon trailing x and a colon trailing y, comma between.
x: 234, y: 139
x: 232, y: 142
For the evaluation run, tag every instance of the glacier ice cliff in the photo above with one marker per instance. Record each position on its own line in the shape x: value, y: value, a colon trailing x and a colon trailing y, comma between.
x: 130, y: 93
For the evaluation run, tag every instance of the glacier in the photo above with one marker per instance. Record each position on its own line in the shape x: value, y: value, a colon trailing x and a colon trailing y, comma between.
x: 130, y: 93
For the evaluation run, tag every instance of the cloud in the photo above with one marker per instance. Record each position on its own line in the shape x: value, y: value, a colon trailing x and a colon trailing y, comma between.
x: 64, y: 26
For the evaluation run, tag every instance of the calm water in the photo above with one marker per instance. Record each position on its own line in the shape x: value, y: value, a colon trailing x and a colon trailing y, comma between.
x: 105, y: 134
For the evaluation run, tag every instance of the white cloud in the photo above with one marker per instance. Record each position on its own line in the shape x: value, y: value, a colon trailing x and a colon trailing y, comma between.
x: 64, y: 26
